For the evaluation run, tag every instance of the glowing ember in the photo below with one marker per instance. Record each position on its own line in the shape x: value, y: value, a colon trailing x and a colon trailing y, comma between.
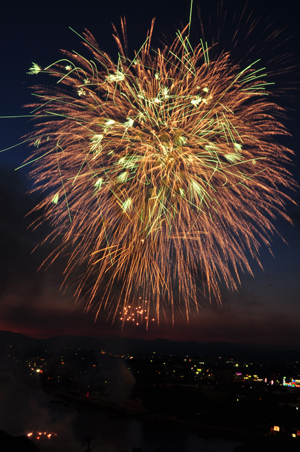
x: 41, y: 435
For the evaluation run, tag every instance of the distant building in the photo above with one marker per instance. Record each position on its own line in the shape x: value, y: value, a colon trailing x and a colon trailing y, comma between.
x: 292, y: 383
x: 9, y: 443
x: 224, y: 375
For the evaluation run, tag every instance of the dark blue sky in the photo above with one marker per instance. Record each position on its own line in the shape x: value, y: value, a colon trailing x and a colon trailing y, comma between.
x: 267, y: 307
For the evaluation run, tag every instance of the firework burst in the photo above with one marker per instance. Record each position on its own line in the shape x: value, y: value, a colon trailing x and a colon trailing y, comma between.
x: 161, y: 172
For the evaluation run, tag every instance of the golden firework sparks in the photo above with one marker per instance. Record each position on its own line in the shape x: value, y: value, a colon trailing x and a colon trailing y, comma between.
x: 161, y: 172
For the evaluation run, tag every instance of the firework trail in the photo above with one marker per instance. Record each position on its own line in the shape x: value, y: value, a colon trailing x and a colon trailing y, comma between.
x: 161, y: 172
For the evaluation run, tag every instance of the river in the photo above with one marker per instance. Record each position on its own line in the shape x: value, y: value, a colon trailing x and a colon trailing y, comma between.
x: 24, y: 409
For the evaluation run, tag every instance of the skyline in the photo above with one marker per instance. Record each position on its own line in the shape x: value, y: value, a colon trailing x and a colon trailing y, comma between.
x: 266, y: 307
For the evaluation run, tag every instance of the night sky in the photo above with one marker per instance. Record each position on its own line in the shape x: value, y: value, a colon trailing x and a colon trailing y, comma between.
x: 266, y: 310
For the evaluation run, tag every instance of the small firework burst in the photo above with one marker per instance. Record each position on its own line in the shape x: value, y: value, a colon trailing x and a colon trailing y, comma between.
x: 136, y: 313
x: 41, y: 435
x: 161, y: 172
